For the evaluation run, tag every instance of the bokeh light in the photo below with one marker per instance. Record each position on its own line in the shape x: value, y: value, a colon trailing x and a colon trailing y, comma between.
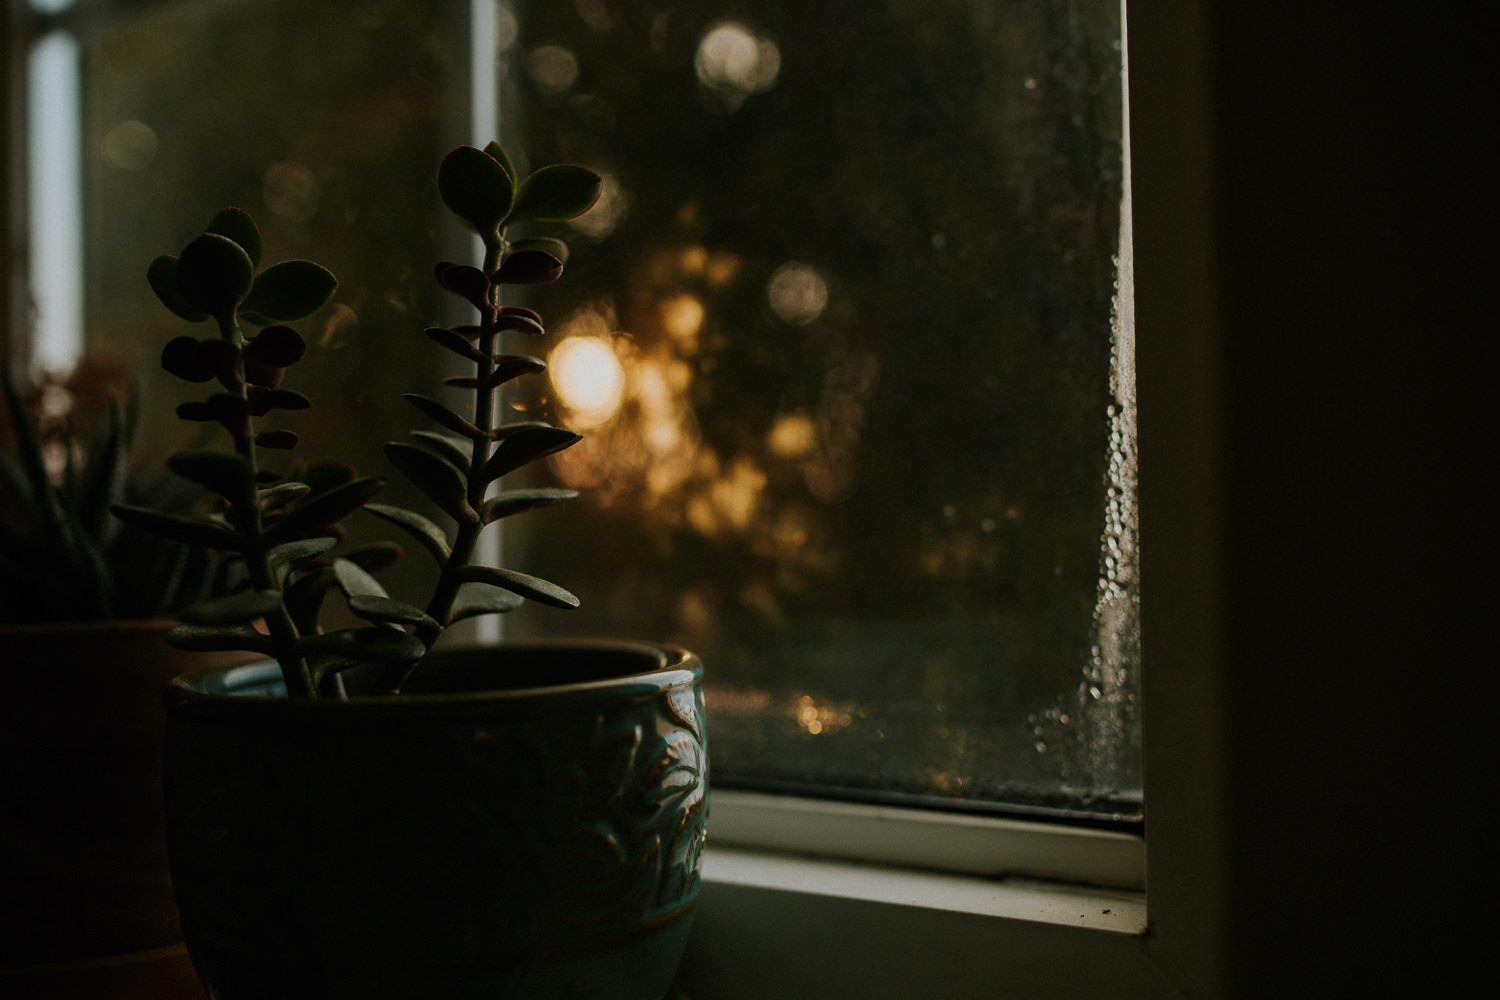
x: 588, y: 378
x: 554, y: 68
x: 734, y: 62
x: 291, y: 190
x: 682, y: 317
x: 608, y: 212
x: 797, y: 293
x: 130, y: 145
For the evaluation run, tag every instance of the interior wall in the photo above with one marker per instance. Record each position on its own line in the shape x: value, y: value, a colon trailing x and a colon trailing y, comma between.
x: 1351, y: 330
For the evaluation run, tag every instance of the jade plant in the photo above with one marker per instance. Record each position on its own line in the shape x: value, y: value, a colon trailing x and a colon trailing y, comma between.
x: 63, y: 556
x: 285, y: 527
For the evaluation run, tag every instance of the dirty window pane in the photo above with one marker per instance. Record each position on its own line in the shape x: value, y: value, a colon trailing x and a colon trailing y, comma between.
x: 840, y: 340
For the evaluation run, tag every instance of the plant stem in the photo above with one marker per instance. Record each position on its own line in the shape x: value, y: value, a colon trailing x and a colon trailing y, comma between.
x: 294, y: 669
x: 467, y: 539
x: 440, y: 606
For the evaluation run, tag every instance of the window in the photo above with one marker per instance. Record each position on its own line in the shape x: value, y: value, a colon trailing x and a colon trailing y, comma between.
x: 790, y: 927
x: 910, y: 560
x: 840, y: 339
x: 846, y: 335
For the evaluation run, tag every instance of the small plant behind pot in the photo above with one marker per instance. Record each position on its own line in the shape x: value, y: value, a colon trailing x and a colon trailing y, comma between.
x: 520, y: 822
x: 64, y: 557
x: 84, y: 602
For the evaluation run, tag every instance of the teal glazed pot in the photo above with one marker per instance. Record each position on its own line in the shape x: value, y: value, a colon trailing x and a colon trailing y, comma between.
x: 479, y: 836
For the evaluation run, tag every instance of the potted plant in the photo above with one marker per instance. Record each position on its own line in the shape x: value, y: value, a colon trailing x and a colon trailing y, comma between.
x: 84, y: 603
x: 372, y: 813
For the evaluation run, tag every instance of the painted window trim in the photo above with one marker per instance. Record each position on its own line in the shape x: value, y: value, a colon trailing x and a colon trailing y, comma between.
x: 927, y: 839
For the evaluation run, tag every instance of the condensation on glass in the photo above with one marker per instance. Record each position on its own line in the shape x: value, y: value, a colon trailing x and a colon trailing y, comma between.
x: 847, y: 336
x: 849, y: 340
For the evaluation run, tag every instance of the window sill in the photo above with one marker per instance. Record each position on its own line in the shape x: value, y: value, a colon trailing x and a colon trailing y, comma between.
x: 928, y: 839
x: 779, y: 921
x: 1120, y: 911
x: 776, y: 925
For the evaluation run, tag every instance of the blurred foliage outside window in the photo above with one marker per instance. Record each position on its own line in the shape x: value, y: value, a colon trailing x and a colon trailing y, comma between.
x: 842, y: 337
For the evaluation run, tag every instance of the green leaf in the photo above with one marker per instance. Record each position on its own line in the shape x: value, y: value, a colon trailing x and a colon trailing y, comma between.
x: 265, y: 376
x: 521, y: 312
x: 277, y: 346
x: 237, y: 225
x: 212, y: 638
x: 524, y: 446
x: 263, y: 400
x: 525, y: 324
x: 28, y: 445
x: 516, y: 501
x: 281, y: 494
x: 367, y: 645
x: 476, y: 599
x: 355, y: 581
x: 497, y: 153
x: 531, y: 587
x: 466, y: 281
x: 222, y: 358
x: 454, y: 450
x: 513, y: 366
x: 476, y: 188
x: 556, y: 194
x: 387, y: 645
x: 231, y: 411
x: 439, y: 482
x: 316, y: 514
x: 214, y: 274
x: 290, y: 290
x: 104, y: 476
x: 162, y: 276
x: 223, y: 472
x: 191, y: 530
x: 548, y: 245
x: 387, y: 610
x: 182, y: 357
x: 432, y: 537
x: 442, y: 415
x: 508, y: 430
x: 304, y: 598
x: 292, y: 553
x: 528, y: 267
x: 457, y: 343
x: 234, y: 609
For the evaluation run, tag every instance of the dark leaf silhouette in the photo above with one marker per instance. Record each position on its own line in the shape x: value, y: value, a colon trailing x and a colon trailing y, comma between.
x: 293, y: 289
x: 476, y: 188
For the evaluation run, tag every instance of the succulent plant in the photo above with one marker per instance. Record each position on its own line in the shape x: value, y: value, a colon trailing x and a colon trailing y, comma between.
x: 63, y: 556
x: 285, y: 529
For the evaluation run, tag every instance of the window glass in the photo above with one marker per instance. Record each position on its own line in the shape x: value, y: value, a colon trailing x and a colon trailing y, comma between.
x: 841, y: 337
x: 324, y: 121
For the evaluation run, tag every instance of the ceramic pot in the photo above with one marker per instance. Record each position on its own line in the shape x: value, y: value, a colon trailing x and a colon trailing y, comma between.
x: 81, y: 830
x: 480, y: 836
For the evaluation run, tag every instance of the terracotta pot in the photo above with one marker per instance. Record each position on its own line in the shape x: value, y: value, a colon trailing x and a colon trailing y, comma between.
x: 477, y: 837
x: 81, y: 828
